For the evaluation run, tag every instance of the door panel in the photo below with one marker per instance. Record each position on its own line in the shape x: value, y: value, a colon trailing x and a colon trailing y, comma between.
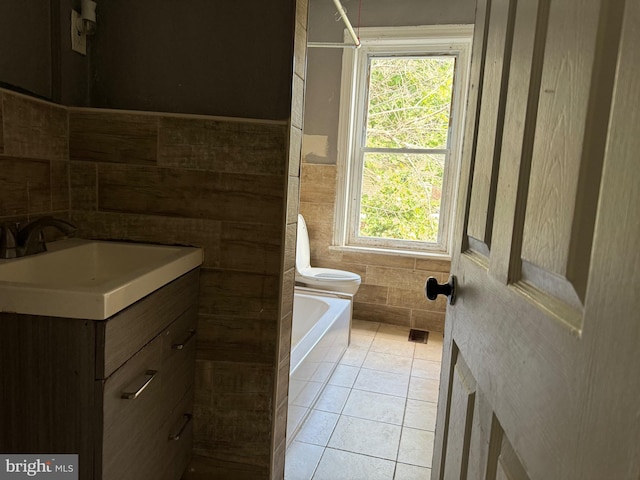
x: 609, y: 422
x: 491, y: 115
x: 520, y: 118
x: 571, y: 86
x: 508, y: 465
x: 474, y: 99
x: 463, y: 389
x: 535, y: 379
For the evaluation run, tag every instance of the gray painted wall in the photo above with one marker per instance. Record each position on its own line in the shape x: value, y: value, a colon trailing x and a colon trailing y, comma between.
x: 201, y: 56
x: 204, y: 57
x: 35, y: 51
x: 322, y: 101
x: 25, y: 36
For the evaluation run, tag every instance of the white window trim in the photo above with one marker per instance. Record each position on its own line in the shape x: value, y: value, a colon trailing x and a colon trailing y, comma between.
x: 433, y: 39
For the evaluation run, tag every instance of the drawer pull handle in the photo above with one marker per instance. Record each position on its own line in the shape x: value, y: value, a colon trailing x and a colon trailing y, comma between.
x: 149, y: 375
x: 181, y: 345
x: 187, y: 419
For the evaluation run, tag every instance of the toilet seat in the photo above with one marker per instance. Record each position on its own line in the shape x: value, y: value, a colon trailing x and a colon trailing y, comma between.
x: 329, y: 279
x: 328, y: 275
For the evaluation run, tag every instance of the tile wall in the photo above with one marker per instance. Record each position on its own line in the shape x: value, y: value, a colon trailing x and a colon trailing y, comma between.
x: 218, y: 184
x: 193, y: 180
x: 392, y: 289
x: 34, y: 158
x: 290, y: 215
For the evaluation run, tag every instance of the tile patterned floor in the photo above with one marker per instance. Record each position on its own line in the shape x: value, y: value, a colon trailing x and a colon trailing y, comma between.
x: 376, y: 417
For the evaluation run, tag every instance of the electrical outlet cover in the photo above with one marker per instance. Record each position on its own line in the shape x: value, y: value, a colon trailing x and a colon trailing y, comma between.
x: 78, y: 38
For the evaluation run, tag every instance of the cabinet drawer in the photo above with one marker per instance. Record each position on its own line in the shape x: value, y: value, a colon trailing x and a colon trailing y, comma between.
x: 175, y: 440
x: 180, y: 335
x: 121, y: 336
x: 179, y: 354
x: 130, y: 425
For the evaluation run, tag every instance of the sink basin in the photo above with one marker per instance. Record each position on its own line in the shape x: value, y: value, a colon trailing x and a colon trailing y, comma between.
x: 90, y: 279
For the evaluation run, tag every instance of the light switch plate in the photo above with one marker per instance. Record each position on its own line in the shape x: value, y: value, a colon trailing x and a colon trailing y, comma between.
x: 78, y: 38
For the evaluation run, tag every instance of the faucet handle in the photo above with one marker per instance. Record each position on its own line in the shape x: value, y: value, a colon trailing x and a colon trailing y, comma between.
x: 42, y: 245
x: 8, y: 241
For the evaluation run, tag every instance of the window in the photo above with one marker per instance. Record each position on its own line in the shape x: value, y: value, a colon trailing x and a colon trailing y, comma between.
x: 402, y: 100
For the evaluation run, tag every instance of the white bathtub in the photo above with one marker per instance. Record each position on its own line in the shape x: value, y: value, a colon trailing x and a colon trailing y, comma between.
x: 320, y: 335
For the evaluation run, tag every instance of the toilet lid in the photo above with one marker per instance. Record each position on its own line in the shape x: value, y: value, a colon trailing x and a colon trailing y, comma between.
x: 303, y: 253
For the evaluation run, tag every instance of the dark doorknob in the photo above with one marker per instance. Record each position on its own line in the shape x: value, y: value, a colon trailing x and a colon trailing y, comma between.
x: 432, y: 289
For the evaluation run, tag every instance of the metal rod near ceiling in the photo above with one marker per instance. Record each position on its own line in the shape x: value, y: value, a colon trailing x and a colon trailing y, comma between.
x: 347, y: 23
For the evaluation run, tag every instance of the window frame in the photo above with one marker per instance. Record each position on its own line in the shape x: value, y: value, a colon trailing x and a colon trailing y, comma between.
x: 440, y: 40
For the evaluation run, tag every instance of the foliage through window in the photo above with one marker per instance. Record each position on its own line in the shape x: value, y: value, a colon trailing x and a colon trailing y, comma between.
x: 407, y: 128
x: 404, y: 131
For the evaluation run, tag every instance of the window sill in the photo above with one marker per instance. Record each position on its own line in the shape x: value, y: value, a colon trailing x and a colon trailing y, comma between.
x: 390, y: 251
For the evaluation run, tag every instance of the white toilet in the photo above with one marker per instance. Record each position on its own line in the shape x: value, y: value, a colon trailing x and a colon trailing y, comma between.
x: 320, y: 278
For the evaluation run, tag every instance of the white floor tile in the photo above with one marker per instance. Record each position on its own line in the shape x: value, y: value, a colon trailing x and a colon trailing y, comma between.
x: 425, y: 369
x: 403, y: 348
x: 423, y: 389
x: 411, y: 472
x: 318, y: 427
x: 301, y: 461
x: 420, y: 415
x: 353, y: 356
x: 366, y: 437
x: 333, y: 399
x: 394, y: 332
x: 378, y: 408
x: 416, y: 447
x: 382, y: 382
x: 341, y: 465
x: 363, y: 327
x: 435, y: 337
x: 375, y: 406
x: 361, y: 341
x: 428, y: 351
x: 385, y: 362
x: 344, y: 376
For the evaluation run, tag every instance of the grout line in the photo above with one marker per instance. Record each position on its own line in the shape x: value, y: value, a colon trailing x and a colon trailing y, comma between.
x: 313, y: 474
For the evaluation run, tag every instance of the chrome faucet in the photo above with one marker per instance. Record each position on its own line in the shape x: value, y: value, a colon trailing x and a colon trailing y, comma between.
x: 30, y: 238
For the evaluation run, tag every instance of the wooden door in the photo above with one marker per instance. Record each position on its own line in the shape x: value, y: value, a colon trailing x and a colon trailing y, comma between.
x: 541, y: 367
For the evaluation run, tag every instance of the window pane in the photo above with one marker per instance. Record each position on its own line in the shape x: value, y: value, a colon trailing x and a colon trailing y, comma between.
x: 409, y: 102
x: 401, y: 196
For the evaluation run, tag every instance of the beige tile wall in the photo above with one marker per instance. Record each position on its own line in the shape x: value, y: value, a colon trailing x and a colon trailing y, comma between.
x: 218, y: 184
x: 34, y: 158
x: 175, y: 179
x: 290, y: 215
x: 392, y: 289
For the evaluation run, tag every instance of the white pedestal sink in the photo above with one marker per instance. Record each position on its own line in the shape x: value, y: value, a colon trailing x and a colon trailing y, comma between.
x: 90, y: 279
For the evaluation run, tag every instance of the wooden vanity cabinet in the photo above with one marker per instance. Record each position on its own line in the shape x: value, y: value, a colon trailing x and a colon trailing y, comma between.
x: 63, y: 383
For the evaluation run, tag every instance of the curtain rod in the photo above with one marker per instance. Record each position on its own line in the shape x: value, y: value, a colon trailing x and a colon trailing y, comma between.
x: 331, y: 45
x: 347, y: 23
x: 345, y: 19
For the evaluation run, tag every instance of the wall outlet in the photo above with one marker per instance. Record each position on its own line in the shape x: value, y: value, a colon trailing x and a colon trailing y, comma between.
x: 78, y: 37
